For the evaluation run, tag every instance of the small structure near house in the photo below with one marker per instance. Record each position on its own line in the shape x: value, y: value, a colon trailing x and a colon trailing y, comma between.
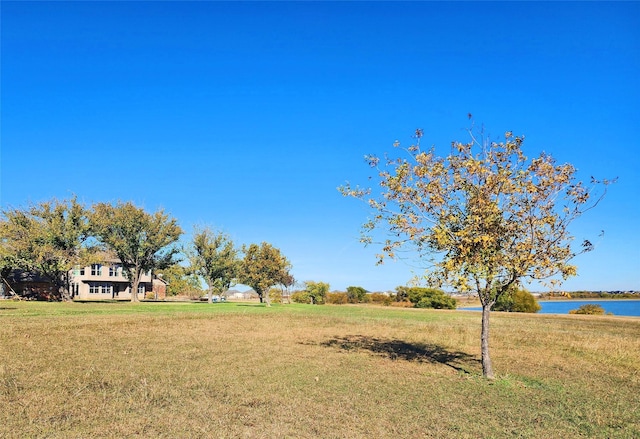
x: 159, y: 287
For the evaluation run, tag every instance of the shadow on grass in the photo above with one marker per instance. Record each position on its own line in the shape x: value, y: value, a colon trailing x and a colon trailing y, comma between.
x: 401, y: 350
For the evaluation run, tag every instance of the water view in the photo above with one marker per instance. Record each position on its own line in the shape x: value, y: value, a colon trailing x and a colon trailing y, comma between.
x: 614, y: 306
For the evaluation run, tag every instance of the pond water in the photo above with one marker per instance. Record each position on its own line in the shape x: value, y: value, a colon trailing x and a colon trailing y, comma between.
x: 618, y: 307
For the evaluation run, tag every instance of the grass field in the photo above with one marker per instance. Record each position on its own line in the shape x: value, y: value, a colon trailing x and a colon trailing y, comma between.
x: 195, y: 370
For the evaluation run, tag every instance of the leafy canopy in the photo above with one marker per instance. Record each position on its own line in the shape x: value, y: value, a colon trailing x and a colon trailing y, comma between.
x: 483, y: 217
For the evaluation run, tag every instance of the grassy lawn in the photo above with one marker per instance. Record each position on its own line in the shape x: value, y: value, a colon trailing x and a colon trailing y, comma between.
x: 194, y: 370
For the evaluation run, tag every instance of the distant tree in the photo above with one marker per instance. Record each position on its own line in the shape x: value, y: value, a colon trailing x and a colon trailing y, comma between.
x: 48, y: 238
x: 142, y: 241
x: 517, y: 300
x: 356, y: 294
x: 281, y: 293
x: 214, y: 258
x: 316, y: 291
x: 483, y: 218
x: 180, y: 281
x: 589, y: 309
x: 286, y: 286
x: 263, y: 267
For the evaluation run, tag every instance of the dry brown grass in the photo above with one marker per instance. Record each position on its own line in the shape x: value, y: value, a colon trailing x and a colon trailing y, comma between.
x: 296, y: 371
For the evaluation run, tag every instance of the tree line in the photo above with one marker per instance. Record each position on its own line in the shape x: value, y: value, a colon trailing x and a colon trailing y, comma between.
x: 53, y: 237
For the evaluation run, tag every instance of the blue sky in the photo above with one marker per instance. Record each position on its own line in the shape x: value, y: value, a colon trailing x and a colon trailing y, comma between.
x: 247, y: 116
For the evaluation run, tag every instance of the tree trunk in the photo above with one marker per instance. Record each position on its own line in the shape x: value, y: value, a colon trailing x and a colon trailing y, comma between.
x: 65, y: 288
x: 134, y: 286
x: 487, y: 368
x: 210, y: 296
x: 267, y: 299
x: 65, y: 296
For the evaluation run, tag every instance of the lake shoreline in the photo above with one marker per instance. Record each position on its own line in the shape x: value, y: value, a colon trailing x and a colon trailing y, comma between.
x: 562, y: 307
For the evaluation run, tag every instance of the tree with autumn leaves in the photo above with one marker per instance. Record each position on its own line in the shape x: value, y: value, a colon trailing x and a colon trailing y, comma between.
x: 263, y: 267
x: 482, y: 218
x: 143, y: 242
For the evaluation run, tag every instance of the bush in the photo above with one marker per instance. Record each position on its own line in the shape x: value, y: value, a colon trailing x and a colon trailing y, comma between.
x: 275, y: 294
x: 517, y: 300
x: 300, y: 297
x: 426, y: 297
x: 380, y: 298
x: 589, y: 308
x: 356, y: 294
x: 337, y: 298
x: 317, y: 291
x: 437, y: 301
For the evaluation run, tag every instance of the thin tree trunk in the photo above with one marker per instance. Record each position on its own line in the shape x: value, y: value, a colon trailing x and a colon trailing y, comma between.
x: 487, y: 368
x: 267, y: 299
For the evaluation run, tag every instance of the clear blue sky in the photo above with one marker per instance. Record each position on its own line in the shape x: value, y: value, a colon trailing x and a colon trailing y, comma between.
x: 247, y: 116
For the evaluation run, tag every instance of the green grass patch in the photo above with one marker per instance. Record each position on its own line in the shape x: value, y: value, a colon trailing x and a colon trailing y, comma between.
x: 242, y: 370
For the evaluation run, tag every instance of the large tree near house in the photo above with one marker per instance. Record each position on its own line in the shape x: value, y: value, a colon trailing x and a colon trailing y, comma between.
x: 483, y: 218
x: 142, y: 241
x: 48, y: 238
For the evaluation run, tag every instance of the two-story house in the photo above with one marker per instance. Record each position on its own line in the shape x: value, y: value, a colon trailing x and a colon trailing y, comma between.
x: 94, y: 282
x: 106, y: 281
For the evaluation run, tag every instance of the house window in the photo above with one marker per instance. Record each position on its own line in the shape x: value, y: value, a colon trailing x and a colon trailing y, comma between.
x: 113, y: 270
x: 96, y: 269
x: 100, y: 288
x: 141, y: 289
x: 78, y: 271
